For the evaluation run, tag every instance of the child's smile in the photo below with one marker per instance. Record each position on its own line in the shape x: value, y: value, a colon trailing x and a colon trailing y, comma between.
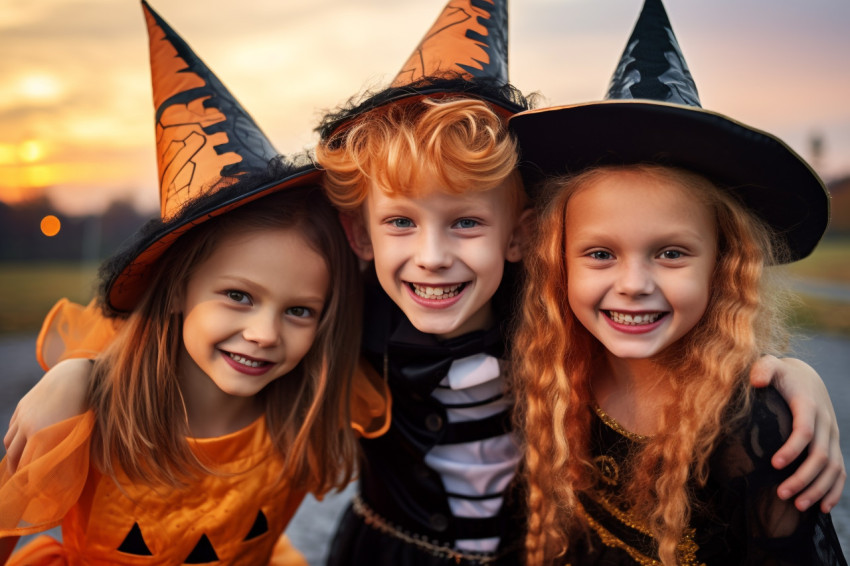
x: 439, y: 293
x: 640, y: 251
x: 245, y: 364
x: 440, y: 256
x: 249, y: 317
x: 634, y: 322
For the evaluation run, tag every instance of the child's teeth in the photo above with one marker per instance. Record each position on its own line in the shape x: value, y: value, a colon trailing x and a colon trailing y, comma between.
x: 436, y: 292
x: 245, y: 361
x: 634, y: 320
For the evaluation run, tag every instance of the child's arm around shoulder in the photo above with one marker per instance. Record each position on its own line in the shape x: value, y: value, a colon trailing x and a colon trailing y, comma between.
x: 822, y: 475
x: 59, y: 395
x: 777, y: 531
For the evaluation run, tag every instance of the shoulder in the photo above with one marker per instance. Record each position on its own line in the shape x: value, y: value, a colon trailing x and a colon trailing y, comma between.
x: 755, y: 434
x: 72, y: 368
x: 769, y: 420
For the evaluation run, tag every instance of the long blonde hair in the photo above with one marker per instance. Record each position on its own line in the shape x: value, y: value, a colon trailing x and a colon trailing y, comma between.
x: 141, y: 419
x: 706, y: 369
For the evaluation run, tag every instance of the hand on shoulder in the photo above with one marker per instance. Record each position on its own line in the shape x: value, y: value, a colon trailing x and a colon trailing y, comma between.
x: 59, y: 395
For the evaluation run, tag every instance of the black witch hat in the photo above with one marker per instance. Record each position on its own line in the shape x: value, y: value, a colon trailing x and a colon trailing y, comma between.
x: 652, y: 113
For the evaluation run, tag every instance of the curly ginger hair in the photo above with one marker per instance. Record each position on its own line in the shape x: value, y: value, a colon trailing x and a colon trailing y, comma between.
x: 557, y: 357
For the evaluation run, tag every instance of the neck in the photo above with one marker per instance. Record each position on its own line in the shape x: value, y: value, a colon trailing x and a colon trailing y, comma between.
x: 632, y: 391
x: 211, y: 412
x: 214, y: 417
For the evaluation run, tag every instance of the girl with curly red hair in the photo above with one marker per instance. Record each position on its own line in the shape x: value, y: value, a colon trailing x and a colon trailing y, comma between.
x: 647, y: 301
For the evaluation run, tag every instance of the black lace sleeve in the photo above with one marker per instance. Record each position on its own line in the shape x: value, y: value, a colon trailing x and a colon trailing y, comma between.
x: 772, y: 531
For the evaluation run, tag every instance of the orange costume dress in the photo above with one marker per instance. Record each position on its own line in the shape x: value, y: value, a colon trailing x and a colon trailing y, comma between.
x: 234, y: 517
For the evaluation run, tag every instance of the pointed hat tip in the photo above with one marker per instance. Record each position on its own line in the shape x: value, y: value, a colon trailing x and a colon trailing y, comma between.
x: 469, y: 39
x: 202, y: 132
x: 652, y: 66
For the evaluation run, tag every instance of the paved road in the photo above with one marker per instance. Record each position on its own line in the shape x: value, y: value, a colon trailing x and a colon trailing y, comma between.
x: 315, y: 521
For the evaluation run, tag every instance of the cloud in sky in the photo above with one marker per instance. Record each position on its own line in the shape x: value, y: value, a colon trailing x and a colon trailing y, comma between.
x: 75, y: 102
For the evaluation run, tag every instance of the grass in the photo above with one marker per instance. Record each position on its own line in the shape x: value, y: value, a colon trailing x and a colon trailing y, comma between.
x: 28, y: 291
x: 830, y: 262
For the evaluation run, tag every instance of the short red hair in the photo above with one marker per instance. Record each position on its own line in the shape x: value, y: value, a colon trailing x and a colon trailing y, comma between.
x: 463, y: 142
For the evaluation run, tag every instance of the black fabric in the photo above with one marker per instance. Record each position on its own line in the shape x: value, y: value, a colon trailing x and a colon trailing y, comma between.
x: 736, y: 518
x: 422, y: 361
x: 134, y: 543
x: 395, y: 480
x: 203, y: 553
x: 260, y: 526
x: 357, y: 543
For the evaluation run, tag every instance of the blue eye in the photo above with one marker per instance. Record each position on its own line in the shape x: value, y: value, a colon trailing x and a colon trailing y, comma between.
x: 466, y: 223
x: 601, y: 255
x: 671, y: 254
x: 401, y: 222
x: 299, y: 312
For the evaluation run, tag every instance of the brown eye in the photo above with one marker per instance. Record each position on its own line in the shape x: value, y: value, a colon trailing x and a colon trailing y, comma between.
x: 238, y: 296
x: 299, y: 312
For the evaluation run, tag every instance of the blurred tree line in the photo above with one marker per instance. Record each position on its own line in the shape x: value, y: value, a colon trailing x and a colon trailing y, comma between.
x: 80, y: 238
x: 839, y: 224
x: 93, y: 237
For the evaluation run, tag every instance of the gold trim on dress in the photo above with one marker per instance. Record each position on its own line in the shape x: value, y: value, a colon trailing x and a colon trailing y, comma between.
x: 686, y: 549
x: 617, y: 427
x: 432, y: 547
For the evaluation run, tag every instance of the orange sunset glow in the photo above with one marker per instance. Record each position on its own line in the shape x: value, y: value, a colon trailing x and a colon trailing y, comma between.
x: 76, y: 118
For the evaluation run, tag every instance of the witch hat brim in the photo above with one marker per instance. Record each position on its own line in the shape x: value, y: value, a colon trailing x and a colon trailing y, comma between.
x: 132, y: 267
x: 763, y: 171
x: 652, y: 115
x: 206, y: 142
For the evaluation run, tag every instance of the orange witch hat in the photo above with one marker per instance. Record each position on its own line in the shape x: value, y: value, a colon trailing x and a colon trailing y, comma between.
x: 469, y: 39
x: 205, y: 142
x: 464, y: 52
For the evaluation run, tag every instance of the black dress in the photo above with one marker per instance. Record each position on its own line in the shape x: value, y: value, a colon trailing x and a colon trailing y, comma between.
x: 733, y: 514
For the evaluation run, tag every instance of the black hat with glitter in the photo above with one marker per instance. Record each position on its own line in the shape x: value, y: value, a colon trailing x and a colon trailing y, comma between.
x: 652, y: 114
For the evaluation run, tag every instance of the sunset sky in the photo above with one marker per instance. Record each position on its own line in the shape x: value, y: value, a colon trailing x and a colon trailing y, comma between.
x: 76, y: 117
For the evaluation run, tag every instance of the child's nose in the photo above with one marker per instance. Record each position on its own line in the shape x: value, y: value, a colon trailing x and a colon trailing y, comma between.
x: 635, y: 278
x: 264, y: 329
x: 432, y: 251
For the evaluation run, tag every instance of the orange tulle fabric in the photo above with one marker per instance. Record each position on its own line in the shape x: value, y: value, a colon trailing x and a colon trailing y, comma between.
x: 49, y: 479
x: 236, y: 515
x: 71, y: 330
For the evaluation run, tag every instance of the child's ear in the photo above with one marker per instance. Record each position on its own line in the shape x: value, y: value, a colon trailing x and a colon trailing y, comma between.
x: 358, y: 235
x: 521, y: 236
